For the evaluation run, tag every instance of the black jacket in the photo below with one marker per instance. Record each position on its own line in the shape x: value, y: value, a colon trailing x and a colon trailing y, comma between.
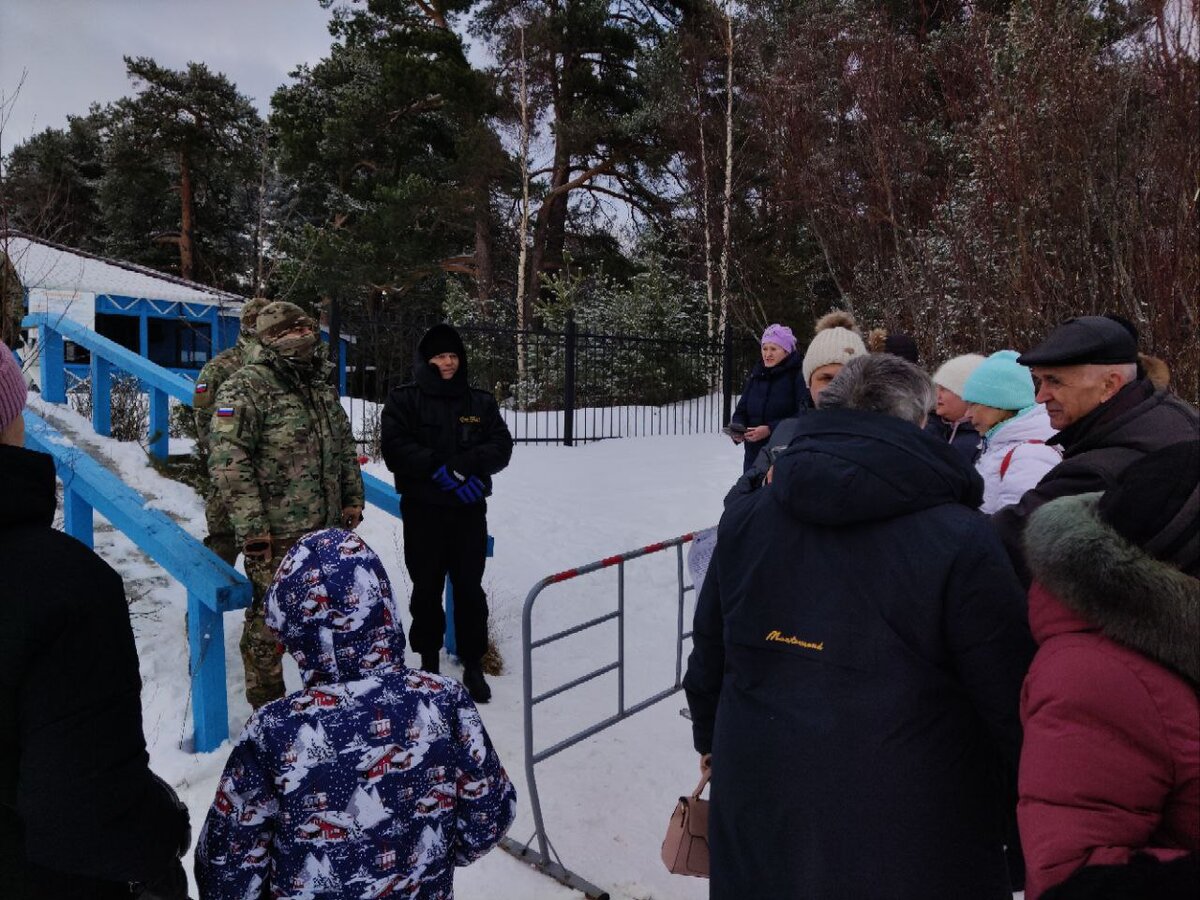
x: 962, y: 436
x: 770, y: 396
x: 429, y: 422
x: 81, y: 814
x: 1097, y: 449
x: 856, y: 670
x: 777, y: 443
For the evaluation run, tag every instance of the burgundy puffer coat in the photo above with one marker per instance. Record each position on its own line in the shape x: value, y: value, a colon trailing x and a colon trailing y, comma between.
x: 1110, y: 764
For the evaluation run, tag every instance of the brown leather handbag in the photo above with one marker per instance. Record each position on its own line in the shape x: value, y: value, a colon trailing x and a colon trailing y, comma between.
x: 685, y: 848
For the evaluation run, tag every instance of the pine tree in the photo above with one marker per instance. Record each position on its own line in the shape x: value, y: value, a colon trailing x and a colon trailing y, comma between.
x: 582, y: 61
x: 50, y: 184
x: 387, y: 145
x: 182, y: 162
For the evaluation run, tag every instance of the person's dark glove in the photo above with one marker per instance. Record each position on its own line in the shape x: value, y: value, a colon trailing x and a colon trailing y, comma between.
x: 471, y: 491
x: 171, y: 885
x: 449, y: 480
x: 181, y: 810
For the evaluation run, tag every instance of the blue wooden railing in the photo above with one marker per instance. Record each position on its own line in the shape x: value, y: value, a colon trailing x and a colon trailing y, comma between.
x: 107, y: 355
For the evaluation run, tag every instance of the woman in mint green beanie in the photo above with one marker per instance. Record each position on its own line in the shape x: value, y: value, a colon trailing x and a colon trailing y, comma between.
x: 1014, y: 455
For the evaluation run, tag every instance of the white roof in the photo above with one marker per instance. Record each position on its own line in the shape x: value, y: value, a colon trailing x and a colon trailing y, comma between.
x: 43, y: 266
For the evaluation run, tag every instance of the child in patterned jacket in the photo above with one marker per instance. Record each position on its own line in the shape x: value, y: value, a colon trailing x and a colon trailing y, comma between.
x: 375, y: 780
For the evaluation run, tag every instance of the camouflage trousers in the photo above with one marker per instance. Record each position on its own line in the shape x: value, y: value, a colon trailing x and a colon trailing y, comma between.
x: 262, y: 655
x: 220, y: 538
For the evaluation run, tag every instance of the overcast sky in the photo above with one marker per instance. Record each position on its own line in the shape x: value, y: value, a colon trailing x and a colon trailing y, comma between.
x: 69, y: 51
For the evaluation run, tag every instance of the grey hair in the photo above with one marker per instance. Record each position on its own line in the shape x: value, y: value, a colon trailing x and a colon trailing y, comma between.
x: 882, y: 383
x: 1098, y: 371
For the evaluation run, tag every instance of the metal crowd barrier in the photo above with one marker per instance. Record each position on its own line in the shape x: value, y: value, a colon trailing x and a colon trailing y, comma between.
x: 545, y: 858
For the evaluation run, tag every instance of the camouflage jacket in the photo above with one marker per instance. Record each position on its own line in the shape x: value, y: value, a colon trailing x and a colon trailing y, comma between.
x: 215, y: 372
x: 282, y: 456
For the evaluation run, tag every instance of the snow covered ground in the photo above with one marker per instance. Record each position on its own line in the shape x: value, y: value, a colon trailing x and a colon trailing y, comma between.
x: 606, y: 800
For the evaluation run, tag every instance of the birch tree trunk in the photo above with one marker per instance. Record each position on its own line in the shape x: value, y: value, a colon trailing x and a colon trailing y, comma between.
x: 727, y: 201
x: 710, y: 305
x: 523, y: 230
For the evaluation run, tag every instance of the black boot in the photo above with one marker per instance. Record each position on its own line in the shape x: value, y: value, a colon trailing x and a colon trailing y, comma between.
x: 475, y: 684
x: 430, y: 662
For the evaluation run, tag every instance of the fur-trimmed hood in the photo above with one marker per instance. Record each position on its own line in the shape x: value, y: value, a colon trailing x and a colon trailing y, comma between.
x: 1131, y: 597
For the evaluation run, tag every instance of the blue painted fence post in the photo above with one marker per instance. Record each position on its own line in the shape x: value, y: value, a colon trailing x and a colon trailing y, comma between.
x: 451, y: 638
x: 54, y: 377
x: 206, y: 663
x: 160, y: 419
x: 101, y: 395
x: 78, y: 520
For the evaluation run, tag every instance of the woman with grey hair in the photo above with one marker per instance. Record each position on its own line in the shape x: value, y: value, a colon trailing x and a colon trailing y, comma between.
x: 881, y: 383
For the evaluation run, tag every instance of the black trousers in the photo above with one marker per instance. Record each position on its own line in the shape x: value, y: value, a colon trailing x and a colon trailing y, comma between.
x: 441, y: 541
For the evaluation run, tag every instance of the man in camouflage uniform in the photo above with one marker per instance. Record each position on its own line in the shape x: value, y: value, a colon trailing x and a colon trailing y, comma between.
x: 220, y: 539
x: 283, y: 462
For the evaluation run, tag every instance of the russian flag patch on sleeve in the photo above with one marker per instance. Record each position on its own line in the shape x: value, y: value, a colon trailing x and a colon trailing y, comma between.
x: 225, y: 412
x: 201, y: 387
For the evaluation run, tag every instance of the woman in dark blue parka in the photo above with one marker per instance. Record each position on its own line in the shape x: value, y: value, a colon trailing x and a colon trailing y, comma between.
x: 774, y: 391
x: 859, y: 646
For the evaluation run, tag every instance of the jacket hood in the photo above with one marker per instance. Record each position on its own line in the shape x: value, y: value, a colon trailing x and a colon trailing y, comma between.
x: 333, y: 607
x: 317, y: 371
x: 1032, y: 426
x: 27, y: 490
x: 1131, y: 597
x: 848, y: 466
x: 441, y: 338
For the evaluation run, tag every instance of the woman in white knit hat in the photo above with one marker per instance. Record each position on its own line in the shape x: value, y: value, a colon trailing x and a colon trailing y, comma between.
x: 836, y: 342
x: 950, y: 422
x: 1000, y: 403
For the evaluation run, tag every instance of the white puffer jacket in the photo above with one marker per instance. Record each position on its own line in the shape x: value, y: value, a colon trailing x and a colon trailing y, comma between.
x: 1024, y: 437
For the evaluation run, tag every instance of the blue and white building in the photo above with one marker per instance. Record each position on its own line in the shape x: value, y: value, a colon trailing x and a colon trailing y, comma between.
x: 176, y: 323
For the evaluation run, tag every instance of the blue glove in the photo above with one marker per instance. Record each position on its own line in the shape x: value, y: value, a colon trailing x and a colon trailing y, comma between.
x: 472, y: 491
x: 448, y: 479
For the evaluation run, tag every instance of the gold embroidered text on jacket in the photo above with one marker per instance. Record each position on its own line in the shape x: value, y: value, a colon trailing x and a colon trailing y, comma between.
x: 780, y: 638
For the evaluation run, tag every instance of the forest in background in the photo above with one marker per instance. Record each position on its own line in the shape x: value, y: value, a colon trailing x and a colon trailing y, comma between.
x: 968, y: 171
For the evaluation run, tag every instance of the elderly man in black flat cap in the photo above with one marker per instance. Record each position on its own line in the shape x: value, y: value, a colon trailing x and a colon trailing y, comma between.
x: 1107, y: 415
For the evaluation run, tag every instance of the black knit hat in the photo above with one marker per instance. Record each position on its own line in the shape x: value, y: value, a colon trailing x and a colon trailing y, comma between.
x: 1156, y: 505
x: 1084, y: 340
x: 902, y: 345
x: 441, y: 339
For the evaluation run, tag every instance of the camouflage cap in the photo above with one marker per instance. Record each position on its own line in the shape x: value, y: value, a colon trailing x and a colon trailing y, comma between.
x: 250, y: 310
x: 279, y: 316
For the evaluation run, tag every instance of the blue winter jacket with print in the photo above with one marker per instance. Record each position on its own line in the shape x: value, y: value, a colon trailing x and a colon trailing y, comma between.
x: 373, y: 781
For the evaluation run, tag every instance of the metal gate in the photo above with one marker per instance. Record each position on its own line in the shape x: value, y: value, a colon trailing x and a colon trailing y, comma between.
x: 545, y: 858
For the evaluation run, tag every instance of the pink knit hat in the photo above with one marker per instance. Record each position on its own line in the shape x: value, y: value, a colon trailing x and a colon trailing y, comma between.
x: 781, y: 336
x: 12, y: 387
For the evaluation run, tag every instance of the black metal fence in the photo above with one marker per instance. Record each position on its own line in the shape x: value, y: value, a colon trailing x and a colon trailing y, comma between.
x: 567, y: 387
